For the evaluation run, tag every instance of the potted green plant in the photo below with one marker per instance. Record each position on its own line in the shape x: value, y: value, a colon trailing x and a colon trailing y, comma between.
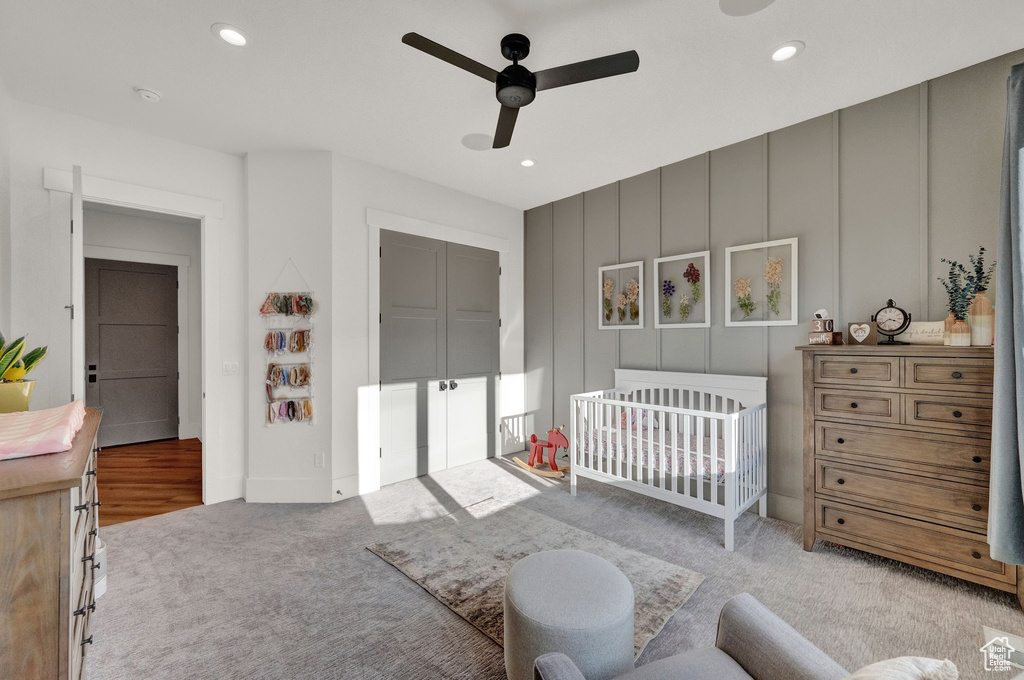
x: 15, y: 391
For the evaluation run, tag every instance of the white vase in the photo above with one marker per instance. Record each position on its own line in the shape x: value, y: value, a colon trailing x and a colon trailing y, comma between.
x: 981, y: 318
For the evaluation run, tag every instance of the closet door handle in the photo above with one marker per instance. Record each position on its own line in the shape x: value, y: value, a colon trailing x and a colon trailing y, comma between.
x: 442, y: 386
x: 452, y: 384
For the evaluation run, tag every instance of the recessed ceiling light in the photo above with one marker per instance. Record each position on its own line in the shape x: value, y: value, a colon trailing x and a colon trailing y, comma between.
x: 742, y: 8
x: 527, y: 162
x: 787, y: 50
x: 147, y: 95
x: 232, y: 35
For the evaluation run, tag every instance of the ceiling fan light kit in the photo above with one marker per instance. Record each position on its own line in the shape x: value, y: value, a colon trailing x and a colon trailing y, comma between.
x: 516, y: 86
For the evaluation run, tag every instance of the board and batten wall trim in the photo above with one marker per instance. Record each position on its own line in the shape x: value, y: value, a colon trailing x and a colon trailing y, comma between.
x: 876, y: 193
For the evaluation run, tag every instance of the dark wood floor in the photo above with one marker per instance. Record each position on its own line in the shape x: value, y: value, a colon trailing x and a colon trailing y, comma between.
x: 142, y: 480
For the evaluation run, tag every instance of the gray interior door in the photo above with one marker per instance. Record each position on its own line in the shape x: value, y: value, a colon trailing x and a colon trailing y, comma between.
x: 412, y: 356
x: 473, y: 352
x: 438, y: 354
x: 131, y: 349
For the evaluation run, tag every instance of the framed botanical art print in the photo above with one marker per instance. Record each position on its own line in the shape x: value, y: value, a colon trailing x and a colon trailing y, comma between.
x: 682, y: 291
x: 761, y: 284
x: 621, y: 296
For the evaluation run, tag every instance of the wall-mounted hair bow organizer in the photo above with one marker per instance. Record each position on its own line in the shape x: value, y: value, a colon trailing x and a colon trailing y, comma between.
x: 289, y: 331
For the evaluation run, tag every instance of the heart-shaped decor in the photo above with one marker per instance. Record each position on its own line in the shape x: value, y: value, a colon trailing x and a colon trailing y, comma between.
x: 860, y: 331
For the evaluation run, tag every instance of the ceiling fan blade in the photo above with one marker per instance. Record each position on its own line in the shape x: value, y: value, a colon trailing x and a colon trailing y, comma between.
x: 506, y: 123
x: 452, y: 57
x: 592, y: 69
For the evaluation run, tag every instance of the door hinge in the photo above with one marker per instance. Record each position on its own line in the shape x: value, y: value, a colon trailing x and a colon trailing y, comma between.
x: 179, y: 420
x: 72, y: 226
x: 380, y: 318
x: 72, y: 308
x: 380, y: 385
x: 499, y: 323
x: 177, y: 375
x: 499, y: 271
x: 72, y: 396
x: 380, y: 252
x: 381, y: 454
x: 177, y: 284
x: 179, y: 329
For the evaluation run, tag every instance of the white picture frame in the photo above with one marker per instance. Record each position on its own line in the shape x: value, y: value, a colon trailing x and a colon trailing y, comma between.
x: 749, y: 261
x: 620, y: 274
x: 673, y: 267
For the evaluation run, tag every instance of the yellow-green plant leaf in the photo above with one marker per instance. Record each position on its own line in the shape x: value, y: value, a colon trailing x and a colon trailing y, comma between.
x: 30, y: 359
x: 17, y: 371
x: 12, y: 354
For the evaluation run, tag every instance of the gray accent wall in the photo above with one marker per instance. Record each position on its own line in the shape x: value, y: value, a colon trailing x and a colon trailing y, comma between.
x: 877, y: 193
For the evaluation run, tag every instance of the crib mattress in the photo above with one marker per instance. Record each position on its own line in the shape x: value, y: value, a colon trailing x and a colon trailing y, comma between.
x: 662, y: 459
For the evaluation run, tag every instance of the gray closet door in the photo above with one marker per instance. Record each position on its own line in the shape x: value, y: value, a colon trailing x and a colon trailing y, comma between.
x: 412, y: 356
x: 473, y: 352
x: 131, y: 349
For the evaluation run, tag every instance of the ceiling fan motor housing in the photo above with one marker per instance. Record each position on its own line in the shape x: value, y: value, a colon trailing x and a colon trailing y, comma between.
x: 516, y: 86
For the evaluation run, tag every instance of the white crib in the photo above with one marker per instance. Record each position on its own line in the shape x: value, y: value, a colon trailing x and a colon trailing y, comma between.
x: 693, y: 439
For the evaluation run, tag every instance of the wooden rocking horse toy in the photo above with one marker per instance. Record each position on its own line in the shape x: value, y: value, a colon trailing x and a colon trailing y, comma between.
x: 537, y: 446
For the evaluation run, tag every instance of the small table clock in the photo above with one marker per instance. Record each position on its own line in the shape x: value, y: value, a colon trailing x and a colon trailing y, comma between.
x: 891, y: 321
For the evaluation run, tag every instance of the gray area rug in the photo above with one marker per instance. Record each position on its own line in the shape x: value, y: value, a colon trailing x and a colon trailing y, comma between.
x: 462, y: 560
x: 239, y: 590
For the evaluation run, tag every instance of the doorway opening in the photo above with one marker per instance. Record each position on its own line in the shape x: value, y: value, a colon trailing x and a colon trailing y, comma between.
x: 143, y: 358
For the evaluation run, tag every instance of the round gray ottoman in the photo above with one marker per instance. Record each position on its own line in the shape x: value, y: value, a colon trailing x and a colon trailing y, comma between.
x: 572, y: 602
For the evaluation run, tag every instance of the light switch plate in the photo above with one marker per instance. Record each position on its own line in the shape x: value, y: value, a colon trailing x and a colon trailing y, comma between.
x: 230, y: 368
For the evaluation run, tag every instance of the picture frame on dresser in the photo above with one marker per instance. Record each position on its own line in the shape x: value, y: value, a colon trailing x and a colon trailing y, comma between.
x: 897, y: 442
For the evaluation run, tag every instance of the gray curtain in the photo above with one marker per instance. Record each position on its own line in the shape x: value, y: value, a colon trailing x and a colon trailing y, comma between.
x: 1006, y: 502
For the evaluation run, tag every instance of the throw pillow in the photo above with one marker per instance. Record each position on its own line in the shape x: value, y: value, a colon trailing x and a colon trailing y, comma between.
x: 908, y: 668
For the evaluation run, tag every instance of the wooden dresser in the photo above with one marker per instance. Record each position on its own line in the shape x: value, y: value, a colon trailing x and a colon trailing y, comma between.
x: 896, y: 456
x: 47, y: 537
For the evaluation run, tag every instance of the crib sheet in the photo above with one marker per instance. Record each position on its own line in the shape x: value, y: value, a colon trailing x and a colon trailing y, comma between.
x: 662, y: 460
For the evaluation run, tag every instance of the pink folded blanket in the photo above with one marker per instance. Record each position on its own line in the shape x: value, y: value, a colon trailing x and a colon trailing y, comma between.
x: 33, y: 433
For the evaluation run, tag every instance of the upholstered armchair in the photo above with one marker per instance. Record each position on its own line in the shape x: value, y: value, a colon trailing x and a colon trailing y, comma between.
x: 752, y: 643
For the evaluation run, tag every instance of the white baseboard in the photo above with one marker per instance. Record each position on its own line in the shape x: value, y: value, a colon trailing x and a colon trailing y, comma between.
x: 345, y: 487
x: 189, y: 430
x: 303, y: 490
x: 786, y: 508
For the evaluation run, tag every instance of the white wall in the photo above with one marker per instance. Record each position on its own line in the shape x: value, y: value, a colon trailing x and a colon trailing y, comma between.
x: 290, y: 206
x: 45, y: 138
x: 5, y: 210
x: 357, y: 187
x: 175, y: 236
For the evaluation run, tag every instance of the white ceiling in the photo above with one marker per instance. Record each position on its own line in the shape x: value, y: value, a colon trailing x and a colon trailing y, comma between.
x: 333, y: 74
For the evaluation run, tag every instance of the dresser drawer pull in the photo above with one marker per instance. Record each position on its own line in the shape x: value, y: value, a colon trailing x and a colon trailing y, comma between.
x: 91, y: 472
x: 976, y: 555
x: 841, y: 441
x: 840, y: 481
x: 853, y: 370
x: 87, y: 641
x: 853, y: 405
x: 976, y: 507
x: 957, y: 414
x: 976, y: 459
x: 957, y: 375
x: 841, y: 521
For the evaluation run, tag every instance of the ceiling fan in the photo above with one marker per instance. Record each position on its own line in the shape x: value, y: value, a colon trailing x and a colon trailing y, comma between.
x: 516, y: 86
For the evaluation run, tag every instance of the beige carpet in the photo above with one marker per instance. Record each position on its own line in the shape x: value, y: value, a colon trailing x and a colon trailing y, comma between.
x: 462, y: 560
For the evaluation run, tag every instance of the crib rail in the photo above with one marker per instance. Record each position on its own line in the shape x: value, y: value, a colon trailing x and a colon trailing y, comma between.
x: 689, y: 447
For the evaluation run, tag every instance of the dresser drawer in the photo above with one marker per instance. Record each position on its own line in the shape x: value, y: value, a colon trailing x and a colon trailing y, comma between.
x: 949, y: 375
x: 901, y: 447
x: 922, y: 497
x: 966, y: 414
x: 860, y: 370
x: 881, y: 407
x: 940, y: 548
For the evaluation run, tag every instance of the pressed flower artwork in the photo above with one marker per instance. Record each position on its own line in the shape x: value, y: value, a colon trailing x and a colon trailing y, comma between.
x: 686, y: 305
x: 762, y: 278
x: 621, y: 296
